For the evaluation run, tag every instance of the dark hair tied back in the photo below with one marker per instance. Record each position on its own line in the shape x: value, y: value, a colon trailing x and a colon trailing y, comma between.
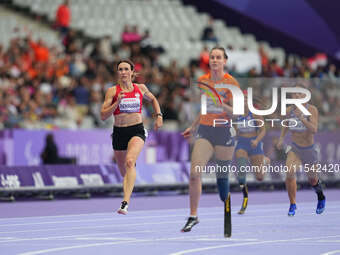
x: 126, y: 61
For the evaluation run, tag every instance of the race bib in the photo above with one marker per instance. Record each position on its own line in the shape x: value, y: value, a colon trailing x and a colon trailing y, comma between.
x: 129, y: 105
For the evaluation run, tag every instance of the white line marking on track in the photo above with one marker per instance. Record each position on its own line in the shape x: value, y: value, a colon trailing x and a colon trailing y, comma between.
x: 331, y: 252
x: 106, y: 238
x: 328, y: 241
x: 224, y: 239
x: 76, y: 247
x: 301, y: 205
x: 51, y: 216
x: 247, y: 244
x: 166, y: 239
x: 71, y: 236
x: 108, y: 243
x: 153, y: 223
x: 113, y: 218
x: 95, y: 214
x: 95, y: 227
x: 146, y: 231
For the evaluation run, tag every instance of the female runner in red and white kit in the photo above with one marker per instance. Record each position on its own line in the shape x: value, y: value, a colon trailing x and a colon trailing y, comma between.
x: 124, y: 101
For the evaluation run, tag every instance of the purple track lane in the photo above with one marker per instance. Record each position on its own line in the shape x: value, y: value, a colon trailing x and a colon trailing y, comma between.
x: 153, y: 226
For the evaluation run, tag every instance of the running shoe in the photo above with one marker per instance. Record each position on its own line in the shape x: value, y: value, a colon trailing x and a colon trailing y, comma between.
x: 292, y: 209
x: 321, y: 206
x: 192, y: 221
x: 123, y: 208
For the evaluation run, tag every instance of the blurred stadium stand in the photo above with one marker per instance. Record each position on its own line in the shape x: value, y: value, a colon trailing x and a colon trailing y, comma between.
x: 16, y: 25
x: 178, y: 33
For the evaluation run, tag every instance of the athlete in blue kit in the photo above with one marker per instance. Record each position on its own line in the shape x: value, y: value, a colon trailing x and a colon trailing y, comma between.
x: 303, y: 152
x: 250, y: 132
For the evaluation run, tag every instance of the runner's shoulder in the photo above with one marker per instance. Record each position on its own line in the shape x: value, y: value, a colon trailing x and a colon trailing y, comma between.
x: 231, y: 79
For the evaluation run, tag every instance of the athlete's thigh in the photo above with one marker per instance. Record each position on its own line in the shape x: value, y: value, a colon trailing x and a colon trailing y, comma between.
x: 134, y: 148
x: 224, y: 152
x: 240, y: 153
x: 201, y: 153
x: 257, y: 160
x: 293, y: 163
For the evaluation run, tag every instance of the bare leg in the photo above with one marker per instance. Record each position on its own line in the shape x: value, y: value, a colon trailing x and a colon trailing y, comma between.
x: 135, y: 146
x: 258, y: 160
x: 120, y: 158
x: 201, y: 154
x: 292, y: 163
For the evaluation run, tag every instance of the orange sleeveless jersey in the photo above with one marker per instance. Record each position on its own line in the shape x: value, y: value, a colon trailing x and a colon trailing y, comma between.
x: 213, y: 110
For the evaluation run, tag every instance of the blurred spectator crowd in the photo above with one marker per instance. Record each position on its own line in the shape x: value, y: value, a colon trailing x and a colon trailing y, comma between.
x: 64, y: 87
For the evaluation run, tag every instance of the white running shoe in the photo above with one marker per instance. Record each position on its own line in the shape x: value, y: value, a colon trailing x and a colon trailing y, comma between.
x: 123, y: 208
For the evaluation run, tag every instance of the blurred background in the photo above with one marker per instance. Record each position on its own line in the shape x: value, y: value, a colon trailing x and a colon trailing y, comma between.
x: 58, y: 58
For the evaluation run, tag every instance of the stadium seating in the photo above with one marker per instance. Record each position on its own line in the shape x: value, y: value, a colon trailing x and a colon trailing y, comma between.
x: 176, y: 27
x: 12, y: 25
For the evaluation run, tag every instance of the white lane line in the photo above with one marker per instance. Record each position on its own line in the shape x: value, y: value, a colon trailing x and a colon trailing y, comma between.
x: 328, y: 241
x: 51, y: 216
x: 94, y: 237
x: 147, y: 217
x: 301, y: 205
x: 189, y: 238
x: 18, y: 239
x: 247, y: 244
x: 331, y: 252
x: 95, y: 214
x: 14, y: 239
x: 76, y: 247
x: 224, y: 239
x: 166, y: 222
x: 110, y: 214
x: 95, y: 227
x: 105, y: 239
x: 168, y: 239
x: 113, y: 218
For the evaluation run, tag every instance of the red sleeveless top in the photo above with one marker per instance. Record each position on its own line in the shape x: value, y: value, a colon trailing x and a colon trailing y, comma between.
x: 131, y: 102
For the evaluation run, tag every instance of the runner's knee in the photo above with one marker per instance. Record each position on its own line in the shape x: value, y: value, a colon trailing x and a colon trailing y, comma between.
x: 129, y: 162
